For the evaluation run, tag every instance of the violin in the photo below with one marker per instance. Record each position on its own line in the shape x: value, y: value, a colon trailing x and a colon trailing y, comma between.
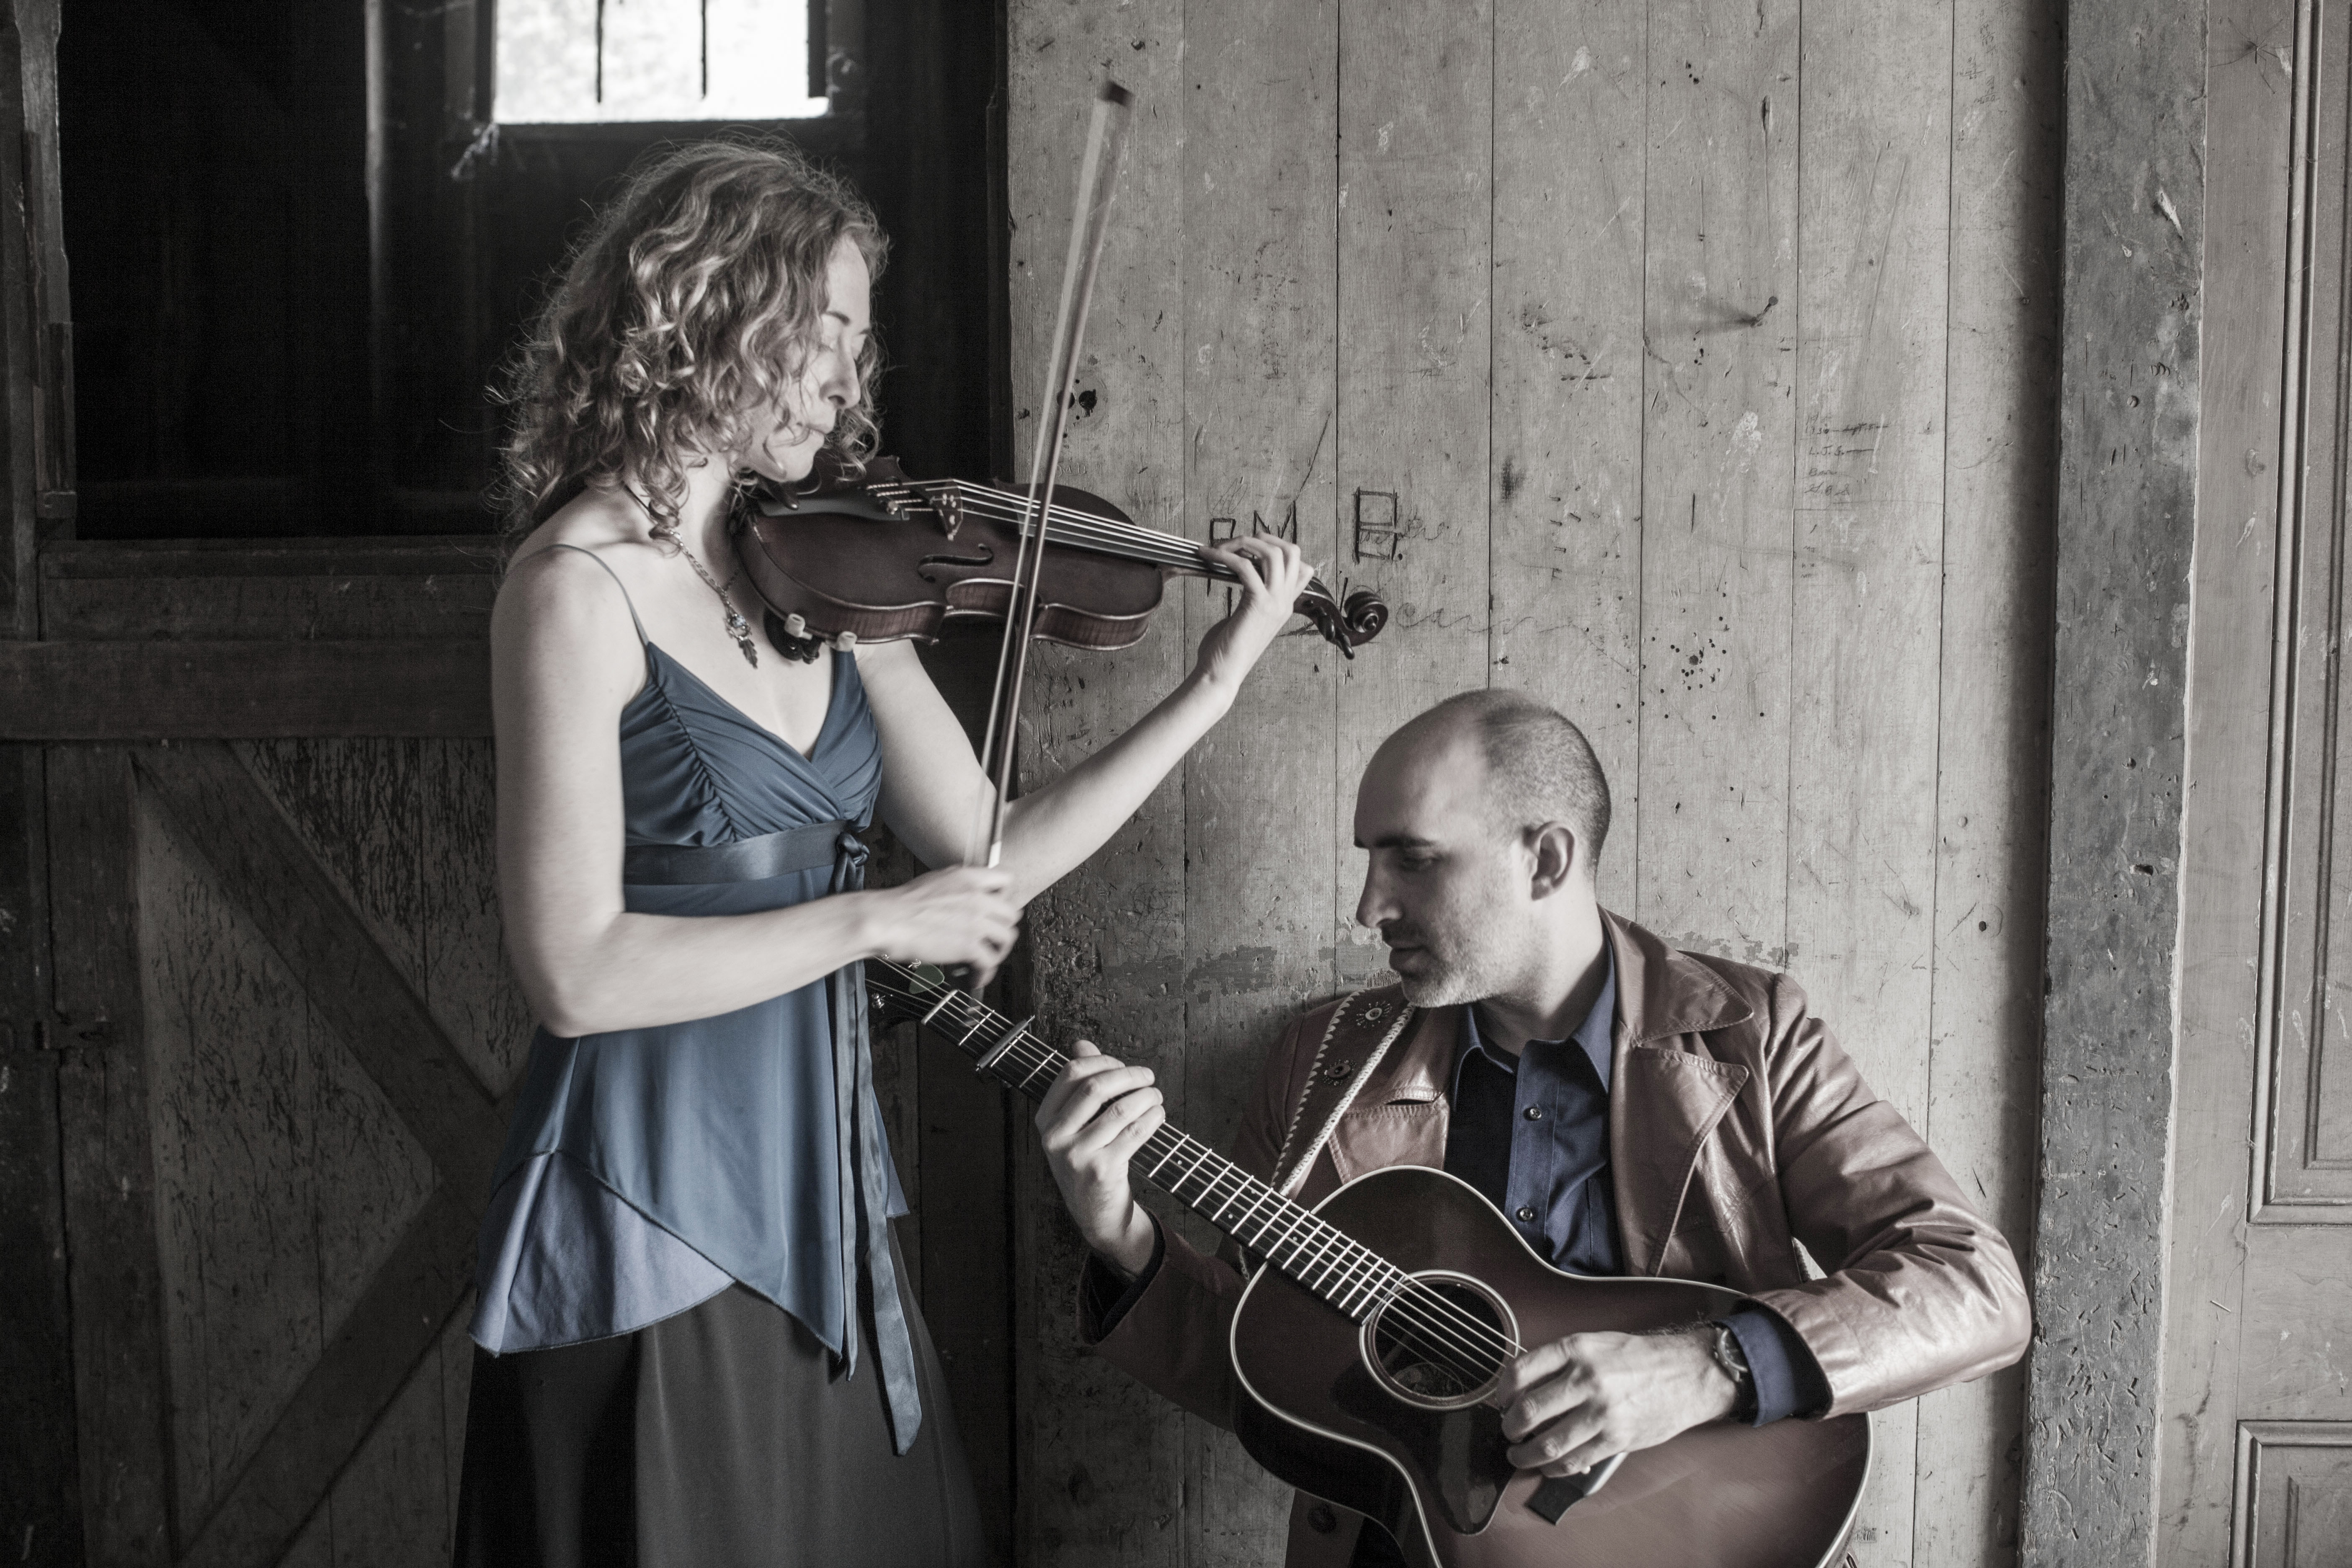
x: 876, y: 555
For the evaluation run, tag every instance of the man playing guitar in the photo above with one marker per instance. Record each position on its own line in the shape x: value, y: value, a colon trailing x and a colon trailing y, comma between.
x: 1630, y: 1108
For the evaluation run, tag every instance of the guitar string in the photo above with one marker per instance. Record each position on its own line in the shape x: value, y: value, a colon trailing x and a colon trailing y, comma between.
x: 1410, y: 1300
x: 1364, y: 1276
x: 1313, y: 1246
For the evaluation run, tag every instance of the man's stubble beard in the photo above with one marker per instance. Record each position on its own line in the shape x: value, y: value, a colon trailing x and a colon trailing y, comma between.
x: 1475, y: 965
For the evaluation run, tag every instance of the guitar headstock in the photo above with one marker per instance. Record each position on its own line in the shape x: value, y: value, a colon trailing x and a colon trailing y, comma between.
x: 905, y: 992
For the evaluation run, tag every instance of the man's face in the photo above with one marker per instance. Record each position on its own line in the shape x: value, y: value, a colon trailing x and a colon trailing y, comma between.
x: 1446, y: 888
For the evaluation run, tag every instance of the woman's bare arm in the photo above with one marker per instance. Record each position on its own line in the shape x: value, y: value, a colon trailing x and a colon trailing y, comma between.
x: 933, y: 793
x: 565, y: 660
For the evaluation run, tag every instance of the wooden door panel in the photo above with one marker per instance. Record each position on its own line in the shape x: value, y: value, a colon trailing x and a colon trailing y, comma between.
x: 2294, y: 1494
x: 2308, y: 1018
x: 258, y: 938
x: 405, y: 829
x: 283, y: 1175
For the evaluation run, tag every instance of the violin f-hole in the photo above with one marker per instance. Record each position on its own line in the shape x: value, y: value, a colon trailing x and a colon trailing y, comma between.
x: 986, y: 557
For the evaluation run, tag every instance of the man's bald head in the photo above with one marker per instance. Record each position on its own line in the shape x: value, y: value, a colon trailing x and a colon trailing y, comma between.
x: 1539, y: 767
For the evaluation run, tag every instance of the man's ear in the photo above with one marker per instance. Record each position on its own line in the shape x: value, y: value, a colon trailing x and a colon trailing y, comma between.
x: 1555, y: 854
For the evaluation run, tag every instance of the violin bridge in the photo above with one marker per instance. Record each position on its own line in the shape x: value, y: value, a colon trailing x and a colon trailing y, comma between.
x: 948, y: 507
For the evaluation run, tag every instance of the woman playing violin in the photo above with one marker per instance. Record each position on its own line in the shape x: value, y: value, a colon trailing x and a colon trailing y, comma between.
x: 696, y: 1346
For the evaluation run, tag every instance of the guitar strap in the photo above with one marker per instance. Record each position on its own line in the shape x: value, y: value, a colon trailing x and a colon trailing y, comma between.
x: 1331, y: 1088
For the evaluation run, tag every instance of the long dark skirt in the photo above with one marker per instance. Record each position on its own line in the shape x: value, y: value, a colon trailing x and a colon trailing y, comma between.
x: 719, y: 1437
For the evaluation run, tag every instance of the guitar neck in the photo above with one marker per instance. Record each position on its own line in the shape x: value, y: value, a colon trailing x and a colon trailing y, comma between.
x: 1350, y: 1276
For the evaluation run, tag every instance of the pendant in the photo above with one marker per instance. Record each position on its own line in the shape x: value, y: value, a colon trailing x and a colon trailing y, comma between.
x: 740, y: 630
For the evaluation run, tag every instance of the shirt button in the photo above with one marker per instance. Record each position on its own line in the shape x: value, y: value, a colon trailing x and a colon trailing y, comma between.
x: 1527, y: 1214
x: 1535, y: 1113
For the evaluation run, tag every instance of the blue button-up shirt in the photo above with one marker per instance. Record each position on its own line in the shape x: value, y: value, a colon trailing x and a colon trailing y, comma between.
x: 1531, y: 1134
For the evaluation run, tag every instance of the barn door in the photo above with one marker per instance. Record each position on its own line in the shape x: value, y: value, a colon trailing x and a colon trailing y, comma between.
x: 285, y: 1022
x: 2255, y: 1466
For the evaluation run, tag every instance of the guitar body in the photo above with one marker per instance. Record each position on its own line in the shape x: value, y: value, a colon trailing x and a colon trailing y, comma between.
x: 1339, y: 1410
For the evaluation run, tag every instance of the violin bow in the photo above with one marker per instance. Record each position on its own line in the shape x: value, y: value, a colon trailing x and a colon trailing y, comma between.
x: 1097, y: 177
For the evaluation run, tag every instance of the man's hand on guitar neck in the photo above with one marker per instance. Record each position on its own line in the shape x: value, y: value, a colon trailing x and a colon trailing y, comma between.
x: 1094, y: 1118
x: 1569, y: 1405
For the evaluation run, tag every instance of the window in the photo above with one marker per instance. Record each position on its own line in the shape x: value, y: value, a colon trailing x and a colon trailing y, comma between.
x: 566, y: 61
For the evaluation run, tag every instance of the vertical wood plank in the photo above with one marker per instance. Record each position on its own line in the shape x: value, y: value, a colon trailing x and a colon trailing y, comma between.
x: 1571, y: 85
x: 36, y: 1392
x: 465, y: 976
x: 391, y: 1507
x: 1101, y: 1460
x: 234, y: 1091
x: 1719, y: 443
x: 1415, y: 354
x: 1260, y: 211
x: 1874, y: 143
x: 1993, y: 706
x: 119, y: 1373
x: 2130, y: 407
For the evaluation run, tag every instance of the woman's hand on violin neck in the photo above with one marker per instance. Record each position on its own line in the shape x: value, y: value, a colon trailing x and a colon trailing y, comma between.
x: 964, y: 915
x: 1272, y: 575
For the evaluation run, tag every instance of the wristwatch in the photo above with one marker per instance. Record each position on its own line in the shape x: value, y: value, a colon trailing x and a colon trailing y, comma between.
x: 1734, y: 1362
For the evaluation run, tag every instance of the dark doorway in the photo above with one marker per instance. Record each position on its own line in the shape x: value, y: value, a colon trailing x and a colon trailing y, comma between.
x: 303, y: 246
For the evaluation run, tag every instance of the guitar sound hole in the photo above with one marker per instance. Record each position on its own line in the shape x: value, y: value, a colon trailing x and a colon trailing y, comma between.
x: 1441, y: 1342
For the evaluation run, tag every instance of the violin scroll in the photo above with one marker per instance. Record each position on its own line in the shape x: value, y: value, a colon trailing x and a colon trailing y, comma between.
x: 1346, y: 625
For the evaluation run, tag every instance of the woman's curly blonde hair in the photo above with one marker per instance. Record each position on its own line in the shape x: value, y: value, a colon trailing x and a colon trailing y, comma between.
x: 687, y: 311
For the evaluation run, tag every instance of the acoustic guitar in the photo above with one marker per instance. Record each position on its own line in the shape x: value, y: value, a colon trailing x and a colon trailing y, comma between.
x: 1373, y: 1330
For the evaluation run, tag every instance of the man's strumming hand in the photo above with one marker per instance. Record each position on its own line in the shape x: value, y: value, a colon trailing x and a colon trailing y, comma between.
x: 1571, y: 1404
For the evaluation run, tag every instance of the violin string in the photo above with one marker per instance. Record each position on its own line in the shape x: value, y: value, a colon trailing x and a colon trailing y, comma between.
x: 1444, y: 1326
x: 1167, y: 548
x: 1123, y: 539
x: 1131, y: 539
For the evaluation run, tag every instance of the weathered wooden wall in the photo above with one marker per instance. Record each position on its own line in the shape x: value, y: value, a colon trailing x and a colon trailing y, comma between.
x: 1690, y: 365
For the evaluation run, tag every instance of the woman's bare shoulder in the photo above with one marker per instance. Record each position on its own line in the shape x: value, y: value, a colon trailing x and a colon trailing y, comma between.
x: 569, y: 587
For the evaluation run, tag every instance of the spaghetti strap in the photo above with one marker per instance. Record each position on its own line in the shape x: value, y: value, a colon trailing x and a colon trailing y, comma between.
x: 615, y: 577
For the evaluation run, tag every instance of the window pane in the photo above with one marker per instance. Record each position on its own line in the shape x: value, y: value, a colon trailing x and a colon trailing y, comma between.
x: 662, y: 59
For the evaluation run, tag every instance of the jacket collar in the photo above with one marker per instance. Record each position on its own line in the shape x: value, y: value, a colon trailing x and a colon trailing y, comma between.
x: 1669, y: 1093
x: 1663, y: 992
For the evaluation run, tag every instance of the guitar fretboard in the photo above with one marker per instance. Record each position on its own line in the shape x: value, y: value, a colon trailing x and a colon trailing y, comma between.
x: 1344, y: 1272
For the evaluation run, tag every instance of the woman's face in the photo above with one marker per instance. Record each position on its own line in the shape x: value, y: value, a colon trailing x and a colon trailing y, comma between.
x: 783, y: 444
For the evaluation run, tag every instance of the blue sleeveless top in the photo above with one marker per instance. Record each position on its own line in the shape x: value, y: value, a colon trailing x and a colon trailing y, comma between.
x: 646, y: 1169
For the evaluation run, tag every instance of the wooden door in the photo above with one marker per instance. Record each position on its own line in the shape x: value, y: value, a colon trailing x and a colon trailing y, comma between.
x: 284, y: 1026
x: 2255, y: 1462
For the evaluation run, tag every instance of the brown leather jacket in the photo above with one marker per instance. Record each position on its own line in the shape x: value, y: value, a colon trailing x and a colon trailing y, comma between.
x: 1737, y: 1128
